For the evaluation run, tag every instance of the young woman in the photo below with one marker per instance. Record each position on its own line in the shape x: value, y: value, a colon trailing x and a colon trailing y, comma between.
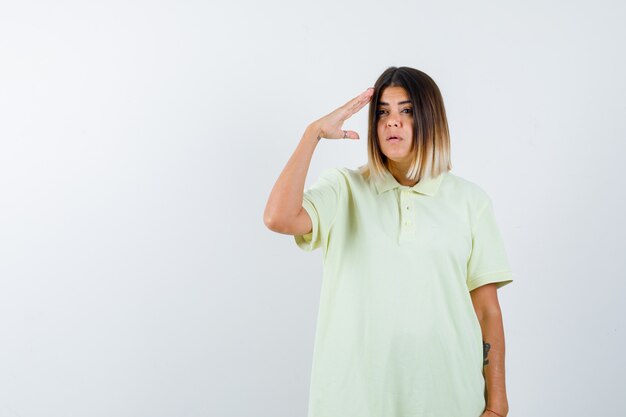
x: 409, y: 322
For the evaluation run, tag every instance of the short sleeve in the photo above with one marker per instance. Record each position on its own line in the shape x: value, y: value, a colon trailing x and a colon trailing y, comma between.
x: 321, y: 200
x: 488, y: 261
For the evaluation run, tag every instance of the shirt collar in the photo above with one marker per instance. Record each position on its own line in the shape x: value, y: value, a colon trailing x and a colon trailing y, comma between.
x: 427, y: 185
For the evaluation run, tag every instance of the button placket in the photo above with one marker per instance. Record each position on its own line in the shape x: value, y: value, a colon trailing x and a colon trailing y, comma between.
x: 407, y: 226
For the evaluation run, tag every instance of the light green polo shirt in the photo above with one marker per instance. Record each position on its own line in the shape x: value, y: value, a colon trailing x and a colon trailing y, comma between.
x: 397, y: 334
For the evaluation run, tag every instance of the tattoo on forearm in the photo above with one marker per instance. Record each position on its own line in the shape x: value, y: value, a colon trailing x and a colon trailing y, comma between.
x: 486, y: 347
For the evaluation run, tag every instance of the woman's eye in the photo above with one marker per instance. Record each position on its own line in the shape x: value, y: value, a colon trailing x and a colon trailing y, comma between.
x: 408, y: 110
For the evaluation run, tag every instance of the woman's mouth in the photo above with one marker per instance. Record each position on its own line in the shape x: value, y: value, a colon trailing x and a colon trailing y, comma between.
x: 394, y: 139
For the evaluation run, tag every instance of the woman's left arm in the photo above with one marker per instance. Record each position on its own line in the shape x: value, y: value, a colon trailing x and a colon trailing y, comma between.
x: 485, y: 301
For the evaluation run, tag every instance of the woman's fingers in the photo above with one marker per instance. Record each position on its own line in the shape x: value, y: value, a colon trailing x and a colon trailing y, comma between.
x: 360, y: 104
x: 359, y: 101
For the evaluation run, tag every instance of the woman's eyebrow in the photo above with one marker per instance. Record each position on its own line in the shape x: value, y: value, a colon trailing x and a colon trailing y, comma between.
x: 382, y: 103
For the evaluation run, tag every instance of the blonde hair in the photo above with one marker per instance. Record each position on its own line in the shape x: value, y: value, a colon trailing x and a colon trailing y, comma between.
x: 431, y: 136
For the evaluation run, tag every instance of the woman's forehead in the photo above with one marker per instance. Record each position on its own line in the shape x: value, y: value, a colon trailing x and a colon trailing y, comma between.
x: 393, y: 95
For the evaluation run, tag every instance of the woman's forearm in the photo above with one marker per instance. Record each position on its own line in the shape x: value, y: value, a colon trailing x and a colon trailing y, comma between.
x: 493, y: 365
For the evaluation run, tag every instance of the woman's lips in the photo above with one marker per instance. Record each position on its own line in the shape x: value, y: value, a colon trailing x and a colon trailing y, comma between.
x: 394, y: 139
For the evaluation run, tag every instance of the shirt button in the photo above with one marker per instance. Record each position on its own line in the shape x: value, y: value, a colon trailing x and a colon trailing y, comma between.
x: 408, y: 222
x: 408, y: 207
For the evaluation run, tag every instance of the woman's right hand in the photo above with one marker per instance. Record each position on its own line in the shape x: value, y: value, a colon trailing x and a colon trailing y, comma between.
x: 330, y: 125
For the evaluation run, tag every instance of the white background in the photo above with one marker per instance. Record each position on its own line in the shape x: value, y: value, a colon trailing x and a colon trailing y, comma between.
x: 139, y: 142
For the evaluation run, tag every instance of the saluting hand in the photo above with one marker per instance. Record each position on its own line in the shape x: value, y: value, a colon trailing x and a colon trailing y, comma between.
x: 330, y: 125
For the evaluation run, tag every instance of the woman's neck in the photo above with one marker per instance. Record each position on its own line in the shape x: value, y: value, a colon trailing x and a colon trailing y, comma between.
x: 399, y: 173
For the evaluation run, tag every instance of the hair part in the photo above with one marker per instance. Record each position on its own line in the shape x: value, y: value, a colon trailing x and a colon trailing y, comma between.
x: 431, y: 136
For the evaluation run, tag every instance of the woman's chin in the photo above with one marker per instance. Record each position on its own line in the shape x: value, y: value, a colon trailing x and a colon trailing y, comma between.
x: 397, y: 158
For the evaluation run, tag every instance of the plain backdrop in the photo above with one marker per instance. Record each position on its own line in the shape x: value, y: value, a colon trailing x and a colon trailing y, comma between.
x: 140, y: 140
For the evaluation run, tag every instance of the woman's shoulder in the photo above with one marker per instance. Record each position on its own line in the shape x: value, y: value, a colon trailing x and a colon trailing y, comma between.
x: 462, y: 186
x: 350, y: 175
x: 337, y: 177
x: 344, y: 179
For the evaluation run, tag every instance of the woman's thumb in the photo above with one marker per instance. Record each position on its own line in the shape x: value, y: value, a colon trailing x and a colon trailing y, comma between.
x: 350, y: 134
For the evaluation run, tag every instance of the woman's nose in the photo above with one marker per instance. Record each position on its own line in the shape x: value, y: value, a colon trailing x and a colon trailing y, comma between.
x: 393, y: 122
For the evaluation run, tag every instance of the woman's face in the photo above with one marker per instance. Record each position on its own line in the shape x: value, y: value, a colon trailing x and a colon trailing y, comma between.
x: 395, y: 125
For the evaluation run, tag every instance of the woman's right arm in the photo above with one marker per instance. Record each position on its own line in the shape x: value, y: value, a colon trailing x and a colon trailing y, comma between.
x: 284, y: 212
